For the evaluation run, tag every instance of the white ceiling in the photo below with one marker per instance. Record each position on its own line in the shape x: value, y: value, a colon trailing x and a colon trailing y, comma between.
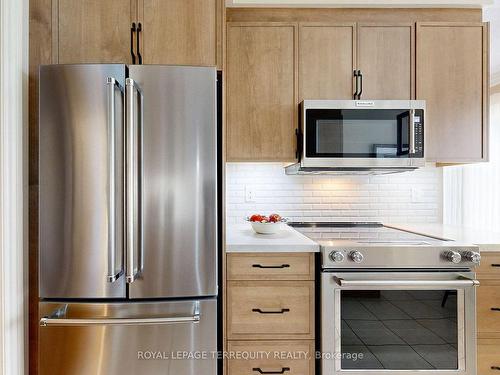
x: 492, y: 14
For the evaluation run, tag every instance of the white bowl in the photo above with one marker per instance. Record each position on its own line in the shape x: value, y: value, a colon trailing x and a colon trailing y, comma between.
x: 266, y: 228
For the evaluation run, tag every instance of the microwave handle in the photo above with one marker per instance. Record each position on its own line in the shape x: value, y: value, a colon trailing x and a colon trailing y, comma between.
x: 412, y: 132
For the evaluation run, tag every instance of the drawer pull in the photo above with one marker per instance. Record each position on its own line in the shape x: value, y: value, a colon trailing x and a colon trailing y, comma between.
x: 495, y: 265
x: 261, y: 266
x: 260, y: 371
x: 495, y: 309
x: 282, y: 311
x: 495, y: 368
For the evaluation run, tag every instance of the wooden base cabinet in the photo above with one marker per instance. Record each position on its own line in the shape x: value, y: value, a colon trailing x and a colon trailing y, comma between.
x: 270, y: 314
x: 488, y: 314
x: 275, y: 309
x: 488, y: 307
x: 488, y: 359
x: 271, y: 357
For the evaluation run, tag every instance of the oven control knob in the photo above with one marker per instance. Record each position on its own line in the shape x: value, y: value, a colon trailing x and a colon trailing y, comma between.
x: 453, y: 256
x: 472, y: 256
x: 337, y: 256
x: 356, y: 256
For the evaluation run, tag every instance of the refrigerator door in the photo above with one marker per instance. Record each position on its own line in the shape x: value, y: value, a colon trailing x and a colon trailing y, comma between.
x: 154, y: 338
x: 81, y: 174
x: 176, y: 255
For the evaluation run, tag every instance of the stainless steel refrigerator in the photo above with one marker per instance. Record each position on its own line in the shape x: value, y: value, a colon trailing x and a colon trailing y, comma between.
x: 128, y: 220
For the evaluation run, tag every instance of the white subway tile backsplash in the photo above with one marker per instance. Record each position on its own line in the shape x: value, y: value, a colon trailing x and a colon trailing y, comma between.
x: 414, y: 197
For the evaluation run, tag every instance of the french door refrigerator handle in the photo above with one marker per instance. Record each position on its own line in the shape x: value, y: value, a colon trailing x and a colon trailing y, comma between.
x: 458, y: 283
x: 133, y: 177
x: 113, y: 274
x: 412, y: 132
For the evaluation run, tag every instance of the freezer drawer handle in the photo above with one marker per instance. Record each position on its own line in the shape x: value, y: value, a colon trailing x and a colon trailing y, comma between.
x: 260, y: 371
x: 261, y: 266
x: 282, y: 311
x: 57, y: 320
x: 459, y: 283
x: 113, y: 274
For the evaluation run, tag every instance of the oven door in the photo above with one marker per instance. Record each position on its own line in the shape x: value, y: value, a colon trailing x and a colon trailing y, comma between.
x: 398, y: 323
x: 343, y: 135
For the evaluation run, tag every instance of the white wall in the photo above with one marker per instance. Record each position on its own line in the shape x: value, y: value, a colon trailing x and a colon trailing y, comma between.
x: 13, y: 191
x: 472, y: 192
x: 405, y: 197
x: 492, y: 15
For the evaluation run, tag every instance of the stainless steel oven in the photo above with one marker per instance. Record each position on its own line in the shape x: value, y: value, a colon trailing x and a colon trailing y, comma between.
x: 398, y: 323
x: 394, y: 302
x: 361, y: 134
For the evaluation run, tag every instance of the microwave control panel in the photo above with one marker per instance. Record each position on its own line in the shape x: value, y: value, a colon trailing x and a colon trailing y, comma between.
x: 419, y: 135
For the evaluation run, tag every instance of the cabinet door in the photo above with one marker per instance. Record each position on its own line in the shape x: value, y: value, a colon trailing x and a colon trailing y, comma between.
x: 326, y: 60
x: 386, y: 58
x: 179, y: 32
x: 452, y: 76
x: 93, y: 31
x: 261, y: 94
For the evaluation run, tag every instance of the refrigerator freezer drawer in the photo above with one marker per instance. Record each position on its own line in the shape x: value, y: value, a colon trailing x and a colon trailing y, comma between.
x: 153, y: 338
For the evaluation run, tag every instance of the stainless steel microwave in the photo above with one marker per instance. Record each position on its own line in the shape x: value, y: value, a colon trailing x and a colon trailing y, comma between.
x: 381, y: 136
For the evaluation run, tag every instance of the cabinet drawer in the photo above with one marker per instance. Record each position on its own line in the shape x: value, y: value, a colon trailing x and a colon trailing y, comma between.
x: 270, y: 309
x: 488, y: 308
x: 289, y: 357
x: 270, y: 266
x: 488, y: 357
x: 490, y: 266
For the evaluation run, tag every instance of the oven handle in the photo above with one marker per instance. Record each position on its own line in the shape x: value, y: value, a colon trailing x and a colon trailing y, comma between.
x: 458, y: 283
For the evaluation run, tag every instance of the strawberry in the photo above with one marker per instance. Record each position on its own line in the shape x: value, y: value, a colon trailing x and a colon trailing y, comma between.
x: 256, y: 218
x: 274, y: 218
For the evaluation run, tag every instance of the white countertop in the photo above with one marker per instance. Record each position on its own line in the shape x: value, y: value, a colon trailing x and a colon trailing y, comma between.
x: 242, y: 238
x: 486, y: 240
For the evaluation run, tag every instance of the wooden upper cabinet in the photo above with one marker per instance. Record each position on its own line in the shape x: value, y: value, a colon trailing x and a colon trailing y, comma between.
x: 386, y: 58
x: 176, y: 32
x: 452, y: 76
x: 92, y: 31
x: 181, y: 32
x: 327, y: 58
x: 261, y: 113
